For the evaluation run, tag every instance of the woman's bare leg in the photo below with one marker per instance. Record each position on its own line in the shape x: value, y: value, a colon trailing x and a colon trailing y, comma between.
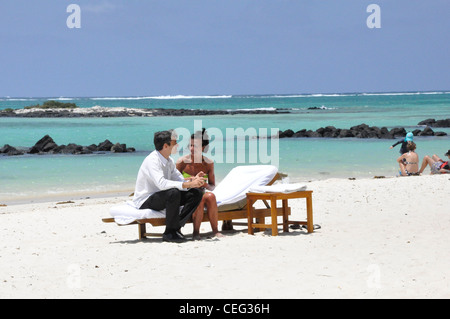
x: 197, y: 219
x: 426, y: 161
x: 436, y: 158
x: 213, y: 212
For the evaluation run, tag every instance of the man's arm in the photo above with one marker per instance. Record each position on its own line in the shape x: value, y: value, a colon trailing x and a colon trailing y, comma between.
x: 156, y: 174
x: 194, y: 182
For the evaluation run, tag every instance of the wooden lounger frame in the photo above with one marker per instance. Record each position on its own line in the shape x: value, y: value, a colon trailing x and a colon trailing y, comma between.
x: 259, y: 215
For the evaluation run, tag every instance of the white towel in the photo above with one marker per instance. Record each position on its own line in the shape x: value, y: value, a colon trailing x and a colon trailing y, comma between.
x: 236, y: 184
x: 127, y: 213
x: 278, y: 188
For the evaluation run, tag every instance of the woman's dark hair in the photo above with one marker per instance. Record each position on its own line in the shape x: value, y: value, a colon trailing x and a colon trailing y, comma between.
x: 411, y: 146
x: 203, y: 136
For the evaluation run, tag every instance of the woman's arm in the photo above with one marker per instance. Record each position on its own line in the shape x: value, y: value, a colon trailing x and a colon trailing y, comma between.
x: 402, y: 165
x: 181, y: 164
x: 211, y: 178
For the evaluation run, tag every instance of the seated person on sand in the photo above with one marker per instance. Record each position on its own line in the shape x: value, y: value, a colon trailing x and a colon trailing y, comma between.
x: 160, y: 186
x: 193, y: 164
x: 409, y: 162
x: 437, y: 165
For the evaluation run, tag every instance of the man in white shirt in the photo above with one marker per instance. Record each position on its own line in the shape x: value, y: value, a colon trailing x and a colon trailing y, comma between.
x: 160, y: 185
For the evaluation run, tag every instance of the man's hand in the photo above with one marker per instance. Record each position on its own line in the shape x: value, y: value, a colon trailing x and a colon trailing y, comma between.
x: 196, y: 182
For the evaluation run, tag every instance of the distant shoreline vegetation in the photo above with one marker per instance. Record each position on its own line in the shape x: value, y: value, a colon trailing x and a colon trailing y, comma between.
x: 48, y: 105
x: 52, y: 105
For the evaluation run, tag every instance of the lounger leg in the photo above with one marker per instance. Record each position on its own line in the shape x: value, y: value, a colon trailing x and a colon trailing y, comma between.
x: 274, y: 217
x: 250, y: 216
x: 309, y: 214
x: 285, y: 216
x: 142, y: 231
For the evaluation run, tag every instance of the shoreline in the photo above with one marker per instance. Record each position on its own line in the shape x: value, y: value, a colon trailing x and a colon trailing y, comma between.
x: 66, y: 197
x: 77, y: 195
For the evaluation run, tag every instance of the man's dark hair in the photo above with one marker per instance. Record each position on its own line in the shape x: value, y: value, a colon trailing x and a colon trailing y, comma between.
x: 161, y: 138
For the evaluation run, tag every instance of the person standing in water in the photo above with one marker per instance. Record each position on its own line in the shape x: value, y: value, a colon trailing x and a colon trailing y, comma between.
x: 403, y: 149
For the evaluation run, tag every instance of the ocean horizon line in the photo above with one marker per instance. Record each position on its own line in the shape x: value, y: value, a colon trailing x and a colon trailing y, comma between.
x: 224, y: 96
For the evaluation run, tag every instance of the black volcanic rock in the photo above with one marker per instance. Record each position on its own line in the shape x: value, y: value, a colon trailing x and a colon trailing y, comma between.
x: 119, y: 148
x: 427, y: 132
x: 435, y: 123
x: 345, y: 133
x: 359, y: 131
x: 442, y: 123
x: 427, y: 122
x: 287, y: 133
x: 111, y: 112
x: 10, y: 150
x: 301, y: 133
x: 45, y: 144
x: 105, y: 146
x: 398, y: 131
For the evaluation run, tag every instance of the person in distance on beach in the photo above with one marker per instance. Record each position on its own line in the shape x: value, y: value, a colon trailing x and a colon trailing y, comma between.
x: 160, y: 185
x: 190, y: 165
x: 437, y: 165
x: 409, y: 162
x: 403, y: 149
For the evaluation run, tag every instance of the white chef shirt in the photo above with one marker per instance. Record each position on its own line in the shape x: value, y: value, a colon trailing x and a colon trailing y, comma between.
x: 156, y: 174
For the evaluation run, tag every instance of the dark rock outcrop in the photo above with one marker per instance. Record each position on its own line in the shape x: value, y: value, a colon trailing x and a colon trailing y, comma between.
x: 44, y: 145
x: 111, y: 112
x: 358, y: 131
x: 105, y: 146
x: 435, y: 123
x: 10, y: 150
x: 47, y: 145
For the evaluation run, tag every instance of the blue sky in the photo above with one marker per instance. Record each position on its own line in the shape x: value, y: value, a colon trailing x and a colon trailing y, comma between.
x: 206, y: 47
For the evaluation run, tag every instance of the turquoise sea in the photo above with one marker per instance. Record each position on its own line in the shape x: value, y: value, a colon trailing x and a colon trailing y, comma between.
x: 29, y: 178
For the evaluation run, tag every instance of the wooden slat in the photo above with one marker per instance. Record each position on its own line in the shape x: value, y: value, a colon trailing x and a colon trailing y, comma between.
x: 238, y: 214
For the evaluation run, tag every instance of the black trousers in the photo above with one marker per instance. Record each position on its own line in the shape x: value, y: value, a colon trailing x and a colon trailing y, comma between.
x: 171, y: 200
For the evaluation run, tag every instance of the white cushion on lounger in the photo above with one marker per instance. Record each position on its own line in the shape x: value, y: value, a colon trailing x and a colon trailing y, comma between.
x: 236, y: 184
x: 278, y: 188
x: 127, y: 213
x: 230, y: 191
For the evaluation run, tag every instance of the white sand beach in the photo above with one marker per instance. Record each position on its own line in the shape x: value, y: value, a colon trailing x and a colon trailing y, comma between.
x: 379, y: 238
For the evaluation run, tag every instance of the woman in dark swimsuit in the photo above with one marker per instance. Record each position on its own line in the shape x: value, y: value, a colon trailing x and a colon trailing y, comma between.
x: 192, y: 164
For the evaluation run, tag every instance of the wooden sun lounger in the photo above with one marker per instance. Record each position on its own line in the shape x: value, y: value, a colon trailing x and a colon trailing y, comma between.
x: 259, y: 214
